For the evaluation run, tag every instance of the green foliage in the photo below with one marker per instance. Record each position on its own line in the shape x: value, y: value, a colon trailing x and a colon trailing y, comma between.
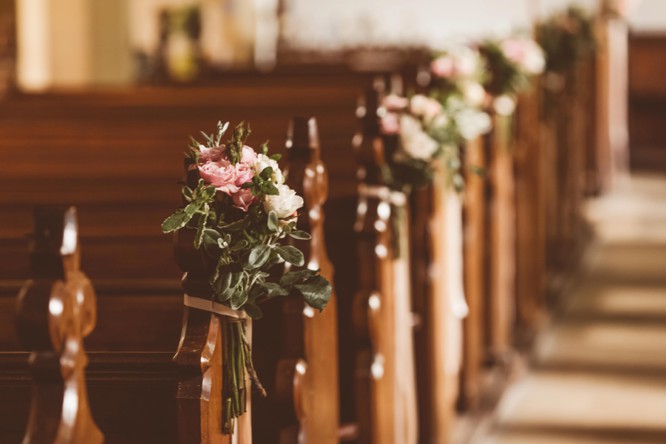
x: 566, y: 37
x: 504, y: 77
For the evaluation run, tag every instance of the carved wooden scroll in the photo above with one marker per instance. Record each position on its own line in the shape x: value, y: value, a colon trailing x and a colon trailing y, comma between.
x: 56, y: 310
x: 199, y: 356
x: 308, y: 370
x: 386, y: 408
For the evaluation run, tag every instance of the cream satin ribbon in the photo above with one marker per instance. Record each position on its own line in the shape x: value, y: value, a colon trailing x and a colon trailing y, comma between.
x: 212, y: 307
x: 454, y: 254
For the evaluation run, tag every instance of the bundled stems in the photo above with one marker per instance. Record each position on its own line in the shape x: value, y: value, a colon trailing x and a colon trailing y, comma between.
x: 237, y: 361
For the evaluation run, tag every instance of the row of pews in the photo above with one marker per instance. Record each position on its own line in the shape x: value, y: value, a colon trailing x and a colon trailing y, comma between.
x: 423, y: 311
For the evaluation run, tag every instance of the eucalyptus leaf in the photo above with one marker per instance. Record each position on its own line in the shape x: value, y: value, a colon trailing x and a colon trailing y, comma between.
x: 253, y: 310
x: 300, y: 234
x: 237, y: 299
x: 273, y: 221
x: 291, y: 254
x: 180, y: 218
x: 296, y: 277
x: 274, y: 289
x: 316, y: 291
x: 259, y: 256
x: 176, y: 221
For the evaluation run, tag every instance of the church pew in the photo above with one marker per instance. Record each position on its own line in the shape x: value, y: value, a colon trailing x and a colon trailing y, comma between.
x: 100, y: 214
x: 56, y: 310
x: 301, y: 368
x: 385, y: 386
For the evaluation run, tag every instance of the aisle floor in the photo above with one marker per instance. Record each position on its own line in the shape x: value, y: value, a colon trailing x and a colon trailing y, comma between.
x: 598, y: 374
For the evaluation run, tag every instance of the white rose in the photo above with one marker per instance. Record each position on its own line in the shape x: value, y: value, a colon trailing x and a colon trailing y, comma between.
x: 285, y: 203
x: 534, y: 62
x: 415, y: 142
x: 474, y: 93
x: 504, y: 105
x: 262, y: 162
x: 425, y: 107
x: 467, y: 60
x: 472, y: 123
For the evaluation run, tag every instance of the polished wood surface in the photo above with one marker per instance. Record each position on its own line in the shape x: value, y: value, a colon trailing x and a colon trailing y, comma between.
x: 530, y: 183
x: 385, y: 386
x: 501, y: 228
x: 474, y: 269
x: 315, y: 376
x: 56, y: 311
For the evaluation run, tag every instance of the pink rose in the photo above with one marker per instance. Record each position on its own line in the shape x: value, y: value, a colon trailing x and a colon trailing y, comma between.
x: 248, y: 156
x: 390, y: 124
x: 442, y: 67
x: 222, y: 175
x: 514, y: 50
x: 211, y: 154
x: 394, y: 102
x: 244, y: 173
x: 243, y: 199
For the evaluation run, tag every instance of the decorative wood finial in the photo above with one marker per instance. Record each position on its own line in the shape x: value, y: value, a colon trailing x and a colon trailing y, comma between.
x: 56, y: 310
x: 314, y: 376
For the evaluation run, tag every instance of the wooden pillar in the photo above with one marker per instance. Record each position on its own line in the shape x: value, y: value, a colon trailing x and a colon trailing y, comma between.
x: 501, y: 239
x: 612, y: 94
x: 307, y: 373
x: 474, y: 269
x: 56, y: 311
x: 530, y: 175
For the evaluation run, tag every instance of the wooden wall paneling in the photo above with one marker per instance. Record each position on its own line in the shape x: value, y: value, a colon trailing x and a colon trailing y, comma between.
x: 56, y: 310
x: 386, y: 386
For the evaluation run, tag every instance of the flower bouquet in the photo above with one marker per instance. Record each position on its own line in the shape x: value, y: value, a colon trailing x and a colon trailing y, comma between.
x: 511, y: 63
x: 566, y: 37
x: 242, y: 214
x: 415, y: 131
x: 457, y: 83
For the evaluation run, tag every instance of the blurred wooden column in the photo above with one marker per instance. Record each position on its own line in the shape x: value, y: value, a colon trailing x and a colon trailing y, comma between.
x: 500, y: 234
x: 385, y: 384
x: 474, y: 273
x: 441, y: 305
x: 612, y: 93
x: 56, y: 311
x: 530, y: 167
x: 307, y: 374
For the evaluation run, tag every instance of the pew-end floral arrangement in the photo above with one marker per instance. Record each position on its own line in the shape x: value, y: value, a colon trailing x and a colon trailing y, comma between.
x: 242, y: 215
x: 512, y: 62
x: 438, y: 124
